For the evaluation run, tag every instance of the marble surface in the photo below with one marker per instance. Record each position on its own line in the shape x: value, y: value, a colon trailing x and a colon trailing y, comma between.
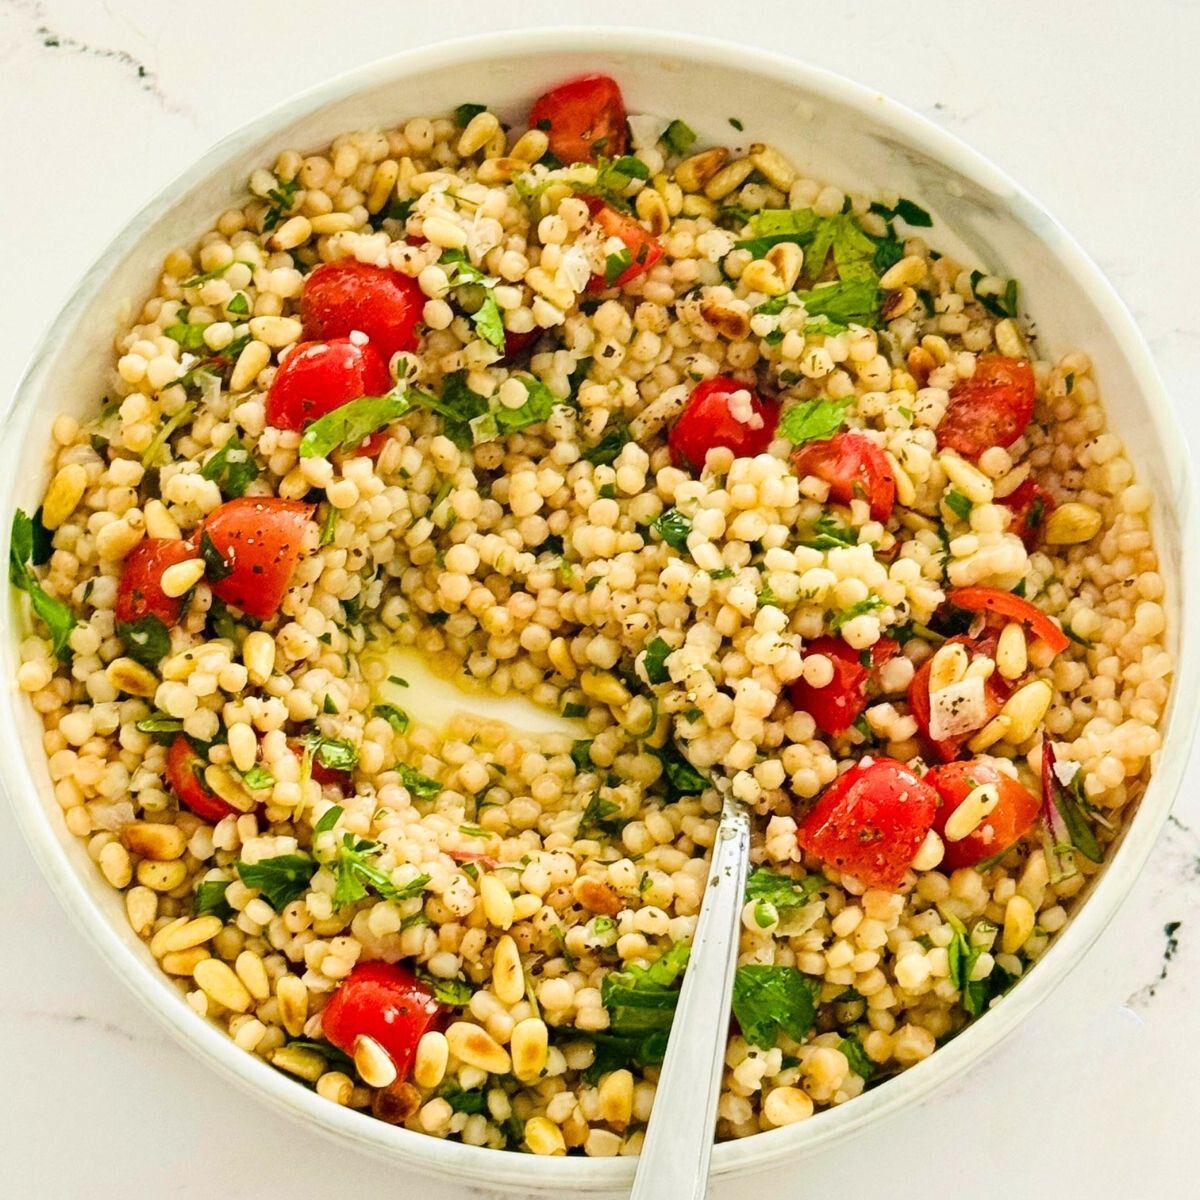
x: 105, y: 101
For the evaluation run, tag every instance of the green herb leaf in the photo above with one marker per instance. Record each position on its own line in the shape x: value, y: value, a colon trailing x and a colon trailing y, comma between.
x: 768, y: 1001
x: 465, y: 113
x: 782, y: 891
x: 869, y: 605
x: 161, y: 726
x: 472, y: 1101
x: 682, y: 778
x: 581, y: 755
x: 673, y: 527
x: 335, y: 753
x: 357, y: 875
x: 232, y: 467
x: 258, y: 778
x: 608, y: 448
x: 1003, y: 305
x: 283, y: 199
x: 239, y: 305
x: 26, y: 542
x: 654, y: 661
x: 856, y: 1056
x: 1070, y: 804
x: 215, y: 566
x: 829, y: 535
x: 570, y: 710
x: 190, y: 337
x: 146, y: 640
x: 678, y: 137
x: 329, y: 820
x: 281, y: 880
x: 335, y: 1059
x: 421, y: 786
x: 210, y: 898
x: 958, y: 504
x: 397, y: 718
x: 598, y: 816
x: 812, y: 420
x: 855, y: 302
x: 348, y: 426
x: 615, y: 265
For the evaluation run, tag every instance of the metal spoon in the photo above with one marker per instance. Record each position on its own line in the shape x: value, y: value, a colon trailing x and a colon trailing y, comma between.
x: 673, y: 1164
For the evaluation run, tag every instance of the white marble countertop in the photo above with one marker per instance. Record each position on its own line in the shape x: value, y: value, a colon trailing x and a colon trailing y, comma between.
x: 1090, y: 107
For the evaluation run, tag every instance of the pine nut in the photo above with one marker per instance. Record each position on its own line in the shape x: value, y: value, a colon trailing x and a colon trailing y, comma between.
x: 479, y: 131
x: 115, y: 865
x: 160, y: 842
x: 930, y: 854
x: 546, y: 285
x: 500, y: 170
x: 184, y: 962
x: 772, y: 165
x: 731, y: 321
x: 787, y: 258
x: 141, y: 907
x: 761, y: 276
x: 1009, y: 339
x: 444, y: 233
x: 1018, y: 924
x: 1012, y: 652
x: 982, y: 666
x: 969, y: 480
x: 729, y: 179
x: 191, y: 933
x: 131, y: 677
x: 615, y: 1099
x: 222, y: 781
x: 508, y: 976
x: 605, y: 687
x: 542, y: 1136
x: 179, y: 578
x: 949, y: 665
x: 897, y: 303
x: 694, y: 172
x: 787, y: 1105
x: 295, y: 231
x: 530, y: 1048
x: 276, y: 332
x: 250, y: 362
x: 909, y: 270
x: 699, y: 206
x: 373, y: 1063
x: 1025, y: 709
x: 258, y: 654
x: 652, y: 209
x: 334, y: 222
x: 161, y: 876
x: 497, y: 902
x: 525, y: 905
x: 159, y: 522
x: 477, y: 1048
x: 64, y: 494
x: 250, y: 970
x: 382, y: 184
x: 429, y: 1065
x: 217, y: 980
x: 906, y: 490
x: 335, y: 1086
x: 971, y: 811
x: 304, y: 1064
x: 530, y: 146
x: 994, y: 731
x: 292, y: 994
x: 243, y: 747
x: 1072, y: 523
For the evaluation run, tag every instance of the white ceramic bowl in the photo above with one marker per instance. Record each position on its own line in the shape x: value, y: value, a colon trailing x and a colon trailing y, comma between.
x: 833, y: 130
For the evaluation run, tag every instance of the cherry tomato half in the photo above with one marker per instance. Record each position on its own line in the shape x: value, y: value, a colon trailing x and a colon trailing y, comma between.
x: 642, y: 246
x: 582, y: 118
x: 514, y: 343
x: 708, y: 421
x: 996, y: 690
x: 261, y: 539
x: 1014, y: 813
x: 1013, y: 608
x: 318, y: 377
x: 185, y: 775
x: 341, y: 297
x: 870, y: 822
x: 837, y: 705
x: 992, y: 408
x: 1030, y: 504
x: 382, y: 1001
x: 140, y: 594
x: 854, y: 467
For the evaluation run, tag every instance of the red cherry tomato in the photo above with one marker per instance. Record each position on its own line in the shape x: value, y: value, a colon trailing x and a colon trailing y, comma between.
x: 1005, y: 824
x: 140, y: 594
x: 185, y: 775
x: 996, y: 690
x: 707, y: 422
x: 871, y: 822
x: 836, y: 706
x: 318, y: 771
x: 514, y: 343
x: 1031, y: 504
x: 318, y: 377
x: 261, y: 539
x: 992, y: 408
x: 340, y: 297
x: 382, y: 1001
x: 1012, y: 608
x: 854, y: 467
x: 644, y: 248
x: 582, y: 118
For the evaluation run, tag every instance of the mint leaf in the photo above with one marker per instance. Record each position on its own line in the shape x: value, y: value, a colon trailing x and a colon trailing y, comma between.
x: 232, y: 467
x: 812, y: 420
x: 146, y: 640
x: 673, y: 527
x: 348, y: 426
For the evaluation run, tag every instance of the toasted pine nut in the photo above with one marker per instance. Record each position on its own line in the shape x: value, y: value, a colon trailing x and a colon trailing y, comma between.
x: 191, y: 933
x: 324, y: 224
x: 615, y: 1098
x: 184, y: 962
x: 604, y: 686
x: 787, y: 258
x: 181, y: 577
x: 729, y: 178
x: 542, y: 1136
x: 131, y: 677
x: 993, y: 732
x: 530, y: 146
x: 141, y: 907
x: 500, y: 169
x: 275, y: 332
x: 930, y: 854
x: 1012, y: 652
x: 906, y: 491
x: 529, y: 1047
x: 258, y: 654
x: 787, y: 1105
x: 1009, y: 339
x: 695, y: 171
x: 250, y: 362
x: 373, y: 1062
x: 971, y: 811
x: 497, y: 902
x: 508, y: 976
x: 477, y: 1048
x: 1072, y: 523
x: 295, y: 231
x: 969, y: 480
x: 761, y: 276
x: 731, y: 319
x: 699, y: 206
x: 772, y: 165
x: 222, y: 781
x: 161, y: 876
x: 909, y: 270
x: 478, y: 133
x: 114, y: 863
x: 217, y: 980
x: 1025, y: 709
x: 292, y: 995
x: 429, y: 1065
x: 64, y: 494
x: 1018, y: 924
x: 250, y: 970
x: 949, y: 665
x: 336, y: 1086
x: 151, y: 840
x: 304, y: 1064
x: 652, y: 209
x: 382, y: 183
x: 159, y: 522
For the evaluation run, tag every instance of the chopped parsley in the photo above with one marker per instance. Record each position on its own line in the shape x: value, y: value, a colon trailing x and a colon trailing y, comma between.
x: 232, y: 468
x: 146, y: 640
x: 283, y: 199
x: 397, y: 718
x: 464, y: 114
x: 599, y: 816
x: 654, y: 661
x: 812, y: 420
x: 861, y: 609
x: 769, y: 1000
x: 829, y: 535
x: 335, y: 753
x: 357, y: 875
x: 281, y: 879
x: 420, y: 785
x: 958, y: 504
x: 605, y: 452
x: 1003, y: 305
x: 673, y: 527
x: 210, y: 898
x: 782, y: 891
x: 30, y: 544
x: 682, y: 778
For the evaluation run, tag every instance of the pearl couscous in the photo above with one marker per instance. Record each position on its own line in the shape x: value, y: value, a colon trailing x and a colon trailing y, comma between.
x: 726, y: 466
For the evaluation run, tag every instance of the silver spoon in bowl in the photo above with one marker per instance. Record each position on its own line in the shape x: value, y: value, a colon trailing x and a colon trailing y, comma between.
x: 673, y: 1164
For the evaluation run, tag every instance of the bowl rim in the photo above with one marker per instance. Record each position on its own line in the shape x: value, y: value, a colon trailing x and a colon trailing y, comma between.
x: 514, y: 1171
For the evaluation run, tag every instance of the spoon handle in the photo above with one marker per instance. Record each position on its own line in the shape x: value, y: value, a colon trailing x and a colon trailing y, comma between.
x: 673, y: 1164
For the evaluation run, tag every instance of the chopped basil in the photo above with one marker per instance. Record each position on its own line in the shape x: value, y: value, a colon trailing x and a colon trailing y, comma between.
x: 598, y: 816
x: 782, y: 891
x: 464, y: 1101
x: 829, y: 535
x: 861, y: 609
x: 215, y: 566
x: 239, y: 305
x: 678, y: 137
x: 613, y: 175
x: 351, y: 424
x: 736, y: 123
x: 958, y: 504
x: 160, y: 726
x: 673, y: 527
x: 570, y: 710
x: 655, y: 662
x: 190, y: 337
x: 581, y: 755
x: 615, y: 265
x: 397, y: 718
x: 329, y: 820
x: 232, y: 467
x: 682, y: 778
x: 258, y: 778
x: 454, y: 993
x: 357, y: 876
x: 856, y: 1056
x: 538, y: 404
x: 335, y: 753
x: 210, y: 898
x: 421, y: 786
x: 146, y: 640
x: 488, y: 322
x: 283, y: 199
x: 329, y: 528
x: 855, y: 302
x: 1003, y: 305
x: 906, y: 211
x: 768, y: 1001
x: 1070, y: 801
x: 281, y: 880
x: 464, y: 114
x: 458, y: 406
x: 610, y: 445
x: 335, y: 1059
x: 812, y: 420
x: 27, y: 544
x: 641, y: 1006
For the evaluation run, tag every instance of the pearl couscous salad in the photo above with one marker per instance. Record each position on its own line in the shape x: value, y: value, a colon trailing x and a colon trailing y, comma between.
x: 730, y: 471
